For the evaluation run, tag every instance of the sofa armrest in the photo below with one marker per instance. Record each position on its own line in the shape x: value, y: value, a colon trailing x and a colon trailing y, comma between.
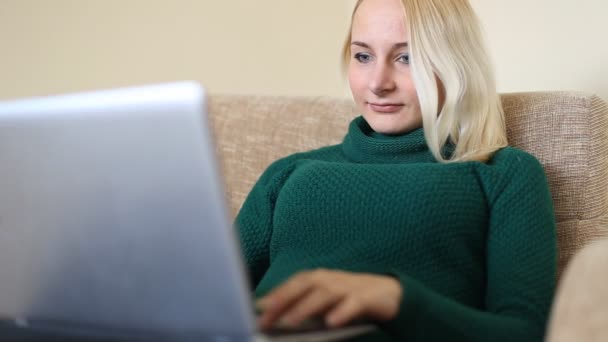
x: 580, y: 308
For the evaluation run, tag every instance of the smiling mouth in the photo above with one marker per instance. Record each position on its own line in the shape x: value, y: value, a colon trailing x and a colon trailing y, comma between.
x: 385, y: 107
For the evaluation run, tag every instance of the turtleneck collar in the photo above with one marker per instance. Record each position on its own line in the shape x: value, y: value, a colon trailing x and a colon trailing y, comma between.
x: 363, y: 145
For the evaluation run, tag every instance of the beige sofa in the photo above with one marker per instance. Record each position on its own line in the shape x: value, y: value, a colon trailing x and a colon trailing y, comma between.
x: 567, y: 132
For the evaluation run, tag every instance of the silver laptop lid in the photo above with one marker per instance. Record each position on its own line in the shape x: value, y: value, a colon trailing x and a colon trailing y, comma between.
x: 112, y: 213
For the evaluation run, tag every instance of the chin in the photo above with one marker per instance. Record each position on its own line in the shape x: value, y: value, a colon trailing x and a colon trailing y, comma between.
x: 392, y: 131
x: 389, y: 124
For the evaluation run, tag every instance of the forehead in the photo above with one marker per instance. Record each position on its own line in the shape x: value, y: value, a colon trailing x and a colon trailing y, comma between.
x: 380, y: 20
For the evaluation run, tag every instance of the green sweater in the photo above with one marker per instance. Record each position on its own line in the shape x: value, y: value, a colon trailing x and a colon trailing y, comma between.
x: 473, y: 244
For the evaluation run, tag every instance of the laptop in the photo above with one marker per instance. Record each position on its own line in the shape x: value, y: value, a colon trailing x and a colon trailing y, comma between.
x: 114, y: 225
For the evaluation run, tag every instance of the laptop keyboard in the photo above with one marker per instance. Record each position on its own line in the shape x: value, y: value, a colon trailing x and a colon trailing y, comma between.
x: 310, y: 325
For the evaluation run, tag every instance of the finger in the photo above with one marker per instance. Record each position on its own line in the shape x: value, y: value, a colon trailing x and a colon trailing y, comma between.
x: 315, y: 302
x: 346, y: 311
x: 275, y: 303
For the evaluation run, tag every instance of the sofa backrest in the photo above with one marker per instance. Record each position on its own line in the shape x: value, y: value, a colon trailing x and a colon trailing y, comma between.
x: 567, y: 132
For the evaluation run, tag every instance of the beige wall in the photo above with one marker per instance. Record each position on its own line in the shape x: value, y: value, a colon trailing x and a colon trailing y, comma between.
x: 237, y: 46
x: 287, y: 47
x: 548, y: 44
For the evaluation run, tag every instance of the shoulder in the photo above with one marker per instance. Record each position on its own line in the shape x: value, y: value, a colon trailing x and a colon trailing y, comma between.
x: 281, y: 168
x: 512, y: 160
x: 326, y: 153
x: 513, y: 170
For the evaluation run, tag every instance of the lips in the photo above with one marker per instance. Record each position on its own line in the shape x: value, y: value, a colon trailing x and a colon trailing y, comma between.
x: 385, y: 107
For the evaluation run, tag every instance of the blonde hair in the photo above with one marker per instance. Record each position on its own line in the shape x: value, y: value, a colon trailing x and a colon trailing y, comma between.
x: 446, y: 44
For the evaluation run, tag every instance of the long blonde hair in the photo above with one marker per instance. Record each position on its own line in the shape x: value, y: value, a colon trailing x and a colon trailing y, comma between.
x: 446, y: 44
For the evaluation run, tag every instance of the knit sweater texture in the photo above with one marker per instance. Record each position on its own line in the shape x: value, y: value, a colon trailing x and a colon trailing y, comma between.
x: 473, y: 244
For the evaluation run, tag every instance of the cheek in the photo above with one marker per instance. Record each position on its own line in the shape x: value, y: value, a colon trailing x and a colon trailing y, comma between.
x: 409, y: 88
x: 356, y: 82
x: 409, y: 93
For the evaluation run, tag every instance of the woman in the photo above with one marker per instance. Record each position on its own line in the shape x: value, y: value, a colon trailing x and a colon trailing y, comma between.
x: 422, y: 220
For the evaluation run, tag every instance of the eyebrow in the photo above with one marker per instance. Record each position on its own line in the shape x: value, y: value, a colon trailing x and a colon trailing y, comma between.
x: 396, y: 46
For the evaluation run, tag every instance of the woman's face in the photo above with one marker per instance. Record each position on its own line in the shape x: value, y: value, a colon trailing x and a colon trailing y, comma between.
x: 379, y: 70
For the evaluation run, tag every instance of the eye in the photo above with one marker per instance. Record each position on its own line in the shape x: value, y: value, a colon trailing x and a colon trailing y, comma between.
x: 404, y: 58
x: 363, y: 57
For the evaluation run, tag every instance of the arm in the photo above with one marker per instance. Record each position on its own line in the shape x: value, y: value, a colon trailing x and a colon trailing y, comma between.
x: 254, y: 220
x: 521, y: 267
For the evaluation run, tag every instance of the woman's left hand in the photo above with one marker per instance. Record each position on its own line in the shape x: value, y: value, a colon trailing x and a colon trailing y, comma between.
x: 339, y: 297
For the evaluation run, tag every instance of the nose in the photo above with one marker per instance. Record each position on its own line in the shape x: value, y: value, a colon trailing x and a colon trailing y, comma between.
x: 382, y: 80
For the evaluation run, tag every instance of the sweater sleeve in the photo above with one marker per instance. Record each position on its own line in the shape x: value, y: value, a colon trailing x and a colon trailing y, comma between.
x: 254, y: 220
x: 520, y: 266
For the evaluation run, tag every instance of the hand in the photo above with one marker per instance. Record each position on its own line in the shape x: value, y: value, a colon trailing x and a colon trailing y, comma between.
x: 339, y: 297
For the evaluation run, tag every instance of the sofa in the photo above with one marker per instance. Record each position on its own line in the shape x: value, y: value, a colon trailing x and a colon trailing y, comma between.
x: 566, y: 131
